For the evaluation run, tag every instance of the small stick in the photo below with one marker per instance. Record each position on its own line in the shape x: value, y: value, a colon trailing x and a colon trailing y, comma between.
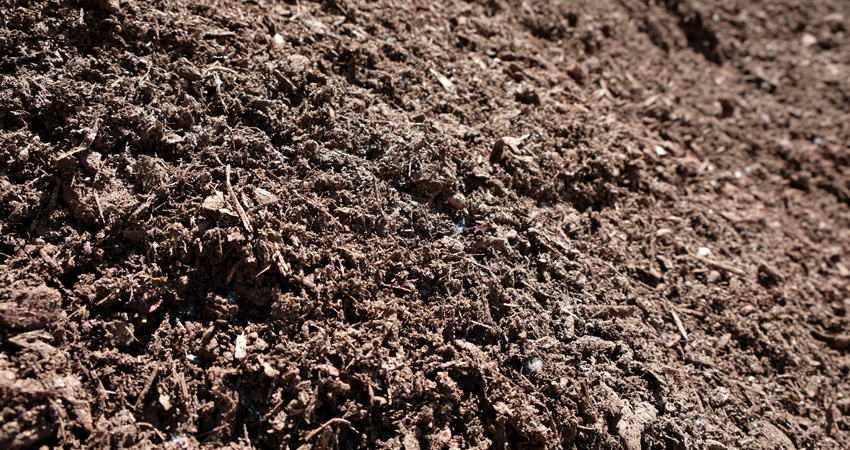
x: 335, y: 420
x: 232, y: 272
x: 274, y: 410
x: 263, y: 271
x: 679, y: 325
x: 482, y: 325
x: 721, y: 266
x: 147, y: 387
x: 99, y: 209
x: 238, y: 205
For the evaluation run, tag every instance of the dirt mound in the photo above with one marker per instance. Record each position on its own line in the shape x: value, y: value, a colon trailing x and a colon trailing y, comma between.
x: 436, y: 225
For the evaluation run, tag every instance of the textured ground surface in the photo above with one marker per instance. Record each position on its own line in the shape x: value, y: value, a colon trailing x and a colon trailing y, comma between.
x: 425, y: 224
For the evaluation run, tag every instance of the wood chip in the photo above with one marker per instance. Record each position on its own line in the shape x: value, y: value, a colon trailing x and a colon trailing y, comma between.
x: 445, y: 82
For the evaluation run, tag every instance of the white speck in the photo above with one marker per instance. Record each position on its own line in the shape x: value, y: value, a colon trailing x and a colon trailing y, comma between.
x: 535, y: 365
x: 704, y: 251
x: 659, y: 150
x: 748, y: 169
x: 817, y: 140
x: 713, y: 183
x: 192, y: 358
x: 738, y: 174
x: 698, y: 421
x: 710, y: 211
x: 458, y: 227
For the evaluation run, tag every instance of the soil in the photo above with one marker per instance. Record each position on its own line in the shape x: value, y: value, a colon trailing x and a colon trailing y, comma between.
x: 400, y: 224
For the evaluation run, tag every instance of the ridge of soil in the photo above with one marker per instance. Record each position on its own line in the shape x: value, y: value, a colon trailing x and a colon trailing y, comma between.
x: 424, y: 225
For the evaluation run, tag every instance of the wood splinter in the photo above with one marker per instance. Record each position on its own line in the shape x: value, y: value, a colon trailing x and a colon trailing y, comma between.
x: 679, y: 325
x: 245, y: 221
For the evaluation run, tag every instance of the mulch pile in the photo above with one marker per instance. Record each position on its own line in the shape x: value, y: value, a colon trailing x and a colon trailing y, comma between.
x: 425, y: 224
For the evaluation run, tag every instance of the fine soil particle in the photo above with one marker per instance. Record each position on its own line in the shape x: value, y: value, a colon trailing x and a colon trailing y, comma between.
x: 424, y: 225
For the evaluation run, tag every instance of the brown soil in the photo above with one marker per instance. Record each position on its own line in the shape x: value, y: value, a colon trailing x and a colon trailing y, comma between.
x: 425, y: 224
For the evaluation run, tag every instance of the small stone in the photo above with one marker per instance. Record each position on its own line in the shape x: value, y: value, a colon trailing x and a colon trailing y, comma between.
x: 808, y: 40
x: 241, y: 350
x: 713, y: 276
x: 165, y: 401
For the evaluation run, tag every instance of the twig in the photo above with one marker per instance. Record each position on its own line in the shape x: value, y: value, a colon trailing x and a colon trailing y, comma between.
x: 236, y: 203
x: 232, y: 273
x: 147, y: 387
x: 99, y: 209
x: 335, y: 420
x: 480, y: 324
x: 274, y: 410
x: 263, y: 271
x: 679, y: 325
x: 398, y: 288
x: 721, y: 266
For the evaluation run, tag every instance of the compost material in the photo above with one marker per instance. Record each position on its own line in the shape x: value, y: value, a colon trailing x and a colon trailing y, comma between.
x: 405, y: 224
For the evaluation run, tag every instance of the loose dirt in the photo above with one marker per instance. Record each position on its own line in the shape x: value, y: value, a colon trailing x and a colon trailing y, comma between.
x: 615, y: 224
